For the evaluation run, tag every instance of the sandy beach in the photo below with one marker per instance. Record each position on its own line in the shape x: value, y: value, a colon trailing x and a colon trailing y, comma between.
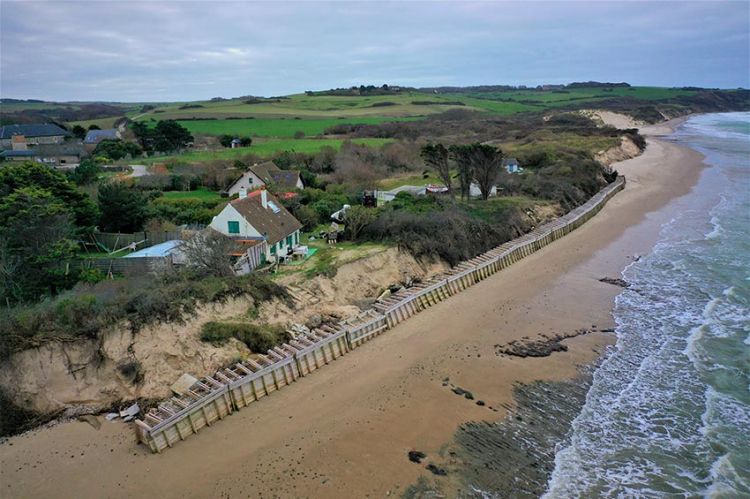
x: 346, y: 431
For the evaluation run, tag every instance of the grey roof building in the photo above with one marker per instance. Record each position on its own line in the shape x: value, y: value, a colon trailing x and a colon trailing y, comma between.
x: 44, y: 133
x: 96, y: 136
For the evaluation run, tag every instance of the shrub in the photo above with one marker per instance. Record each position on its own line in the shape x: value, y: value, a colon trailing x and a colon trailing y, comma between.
x: 258, y: 339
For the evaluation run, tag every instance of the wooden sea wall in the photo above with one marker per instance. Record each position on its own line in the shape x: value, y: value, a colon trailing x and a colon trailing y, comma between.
x: 215, y: 397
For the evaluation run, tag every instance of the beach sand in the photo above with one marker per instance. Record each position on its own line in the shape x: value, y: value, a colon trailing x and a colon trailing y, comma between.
x: 346, y: 431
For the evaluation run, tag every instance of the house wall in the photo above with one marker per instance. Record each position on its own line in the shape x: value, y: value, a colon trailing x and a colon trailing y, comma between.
x: 281, y: 247
x: 220, y: 223
x: 249, y: 181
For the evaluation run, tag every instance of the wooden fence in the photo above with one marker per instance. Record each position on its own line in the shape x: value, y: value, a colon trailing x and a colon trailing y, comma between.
x: 214, y: 397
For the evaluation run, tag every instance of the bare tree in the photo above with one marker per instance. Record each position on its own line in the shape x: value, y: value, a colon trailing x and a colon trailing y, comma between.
x: 436, y: 157
x: 211, y: 252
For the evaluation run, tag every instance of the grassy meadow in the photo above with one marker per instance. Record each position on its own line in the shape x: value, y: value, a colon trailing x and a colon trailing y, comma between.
x: 265, y: 148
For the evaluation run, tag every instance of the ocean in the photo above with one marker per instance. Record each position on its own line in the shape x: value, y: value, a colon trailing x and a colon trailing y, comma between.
x: 668, y: 411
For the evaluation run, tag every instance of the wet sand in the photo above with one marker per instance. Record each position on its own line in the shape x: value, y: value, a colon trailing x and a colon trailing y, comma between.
x: 346, y: 430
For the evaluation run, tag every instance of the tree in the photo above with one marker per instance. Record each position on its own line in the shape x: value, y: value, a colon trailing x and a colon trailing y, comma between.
x: 32, y: 174
x: 79, y: 132
x: 86, y: 172
x: 171, y: 136
x: 210, y: 252
x: 226, y: 140
x: 115, y: 149
x: 487, y: 161
x: 166, y: 136
x: 94, y: 127
x: 436, y: 157
x: 246, y: 141
x: 36, y: 237
x: 122, y: 209
x: 357, y: 218
x: 461, y: 155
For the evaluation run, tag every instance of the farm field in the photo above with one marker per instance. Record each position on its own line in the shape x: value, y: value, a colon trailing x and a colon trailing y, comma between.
x: 304, y: 106
x: 278, y: 127
x: 403, y: 105
x: 266, y: 148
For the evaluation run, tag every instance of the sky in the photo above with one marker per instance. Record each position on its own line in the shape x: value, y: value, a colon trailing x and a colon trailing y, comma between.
x: 139, y: 51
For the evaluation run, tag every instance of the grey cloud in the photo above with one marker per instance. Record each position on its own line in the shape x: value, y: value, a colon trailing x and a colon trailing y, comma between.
x: 183, y: 50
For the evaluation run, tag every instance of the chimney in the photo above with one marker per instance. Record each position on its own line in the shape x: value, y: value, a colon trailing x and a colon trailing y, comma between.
x: 264, y: 198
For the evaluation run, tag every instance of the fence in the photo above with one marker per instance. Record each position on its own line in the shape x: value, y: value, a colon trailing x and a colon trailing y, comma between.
x: 214, y: 397
x: 113, y: 241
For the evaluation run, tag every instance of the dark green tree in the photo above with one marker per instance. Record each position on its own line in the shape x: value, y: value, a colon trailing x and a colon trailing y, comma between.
x: 86, y: 172
x: 226, y: 140
x: 32, y: 174
x: 94, y: 127
x: 115, y: 149
x: 78, y: 131
x: 171, y: 136
x: 36, y: 241
x: 122, y: 209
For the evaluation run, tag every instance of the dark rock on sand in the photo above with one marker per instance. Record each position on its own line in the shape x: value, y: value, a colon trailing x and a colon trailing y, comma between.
x: 435, y: 470
x: 615, y: 282
x: 416, y: 456
x: 542, y: 347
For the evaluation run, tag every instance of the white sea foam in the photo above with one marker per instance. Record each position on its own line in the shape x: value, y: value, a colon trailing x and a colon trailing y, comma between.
x: 665, y: 414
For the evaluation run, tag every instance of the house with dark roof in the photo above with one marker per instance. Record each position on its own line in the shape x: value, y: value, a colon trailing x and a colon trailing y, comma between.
x: 266, y: 175
x: 93, y: 137
x: 45, y: 133
x: 259, y: 216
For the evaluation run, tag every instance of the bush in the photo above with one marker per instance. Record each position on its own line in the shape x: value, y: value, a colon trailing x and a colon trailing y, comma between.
x: 258, y: 339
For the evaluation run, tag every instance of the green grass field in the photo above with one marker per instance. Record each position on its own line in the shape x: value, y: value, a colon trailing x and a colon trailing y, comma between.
x: 199, y: 195
x: 396, y: 106
x: 266, y: 148
x: 278, y: 127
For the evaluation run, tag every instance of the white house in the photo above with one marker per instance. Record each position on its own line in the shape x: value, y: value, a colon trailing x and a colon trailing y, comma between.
x: 264, y: 175
x: 258, y: 216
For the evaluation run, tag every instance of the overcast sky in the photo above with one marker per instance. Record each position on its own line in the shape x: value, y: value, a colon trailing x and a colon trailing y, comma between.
x: 188, y: 50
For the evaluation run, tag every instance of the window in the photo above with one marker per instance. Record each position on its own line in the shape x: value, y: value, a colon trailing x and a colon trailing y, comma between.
x: 273, y: 249
x: 289, y: 240
x: 233, y: 227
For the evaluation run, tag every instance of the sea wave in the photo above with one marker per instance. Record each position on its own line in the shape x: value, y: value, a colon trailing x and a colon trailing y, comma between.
x: 668, y: 411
